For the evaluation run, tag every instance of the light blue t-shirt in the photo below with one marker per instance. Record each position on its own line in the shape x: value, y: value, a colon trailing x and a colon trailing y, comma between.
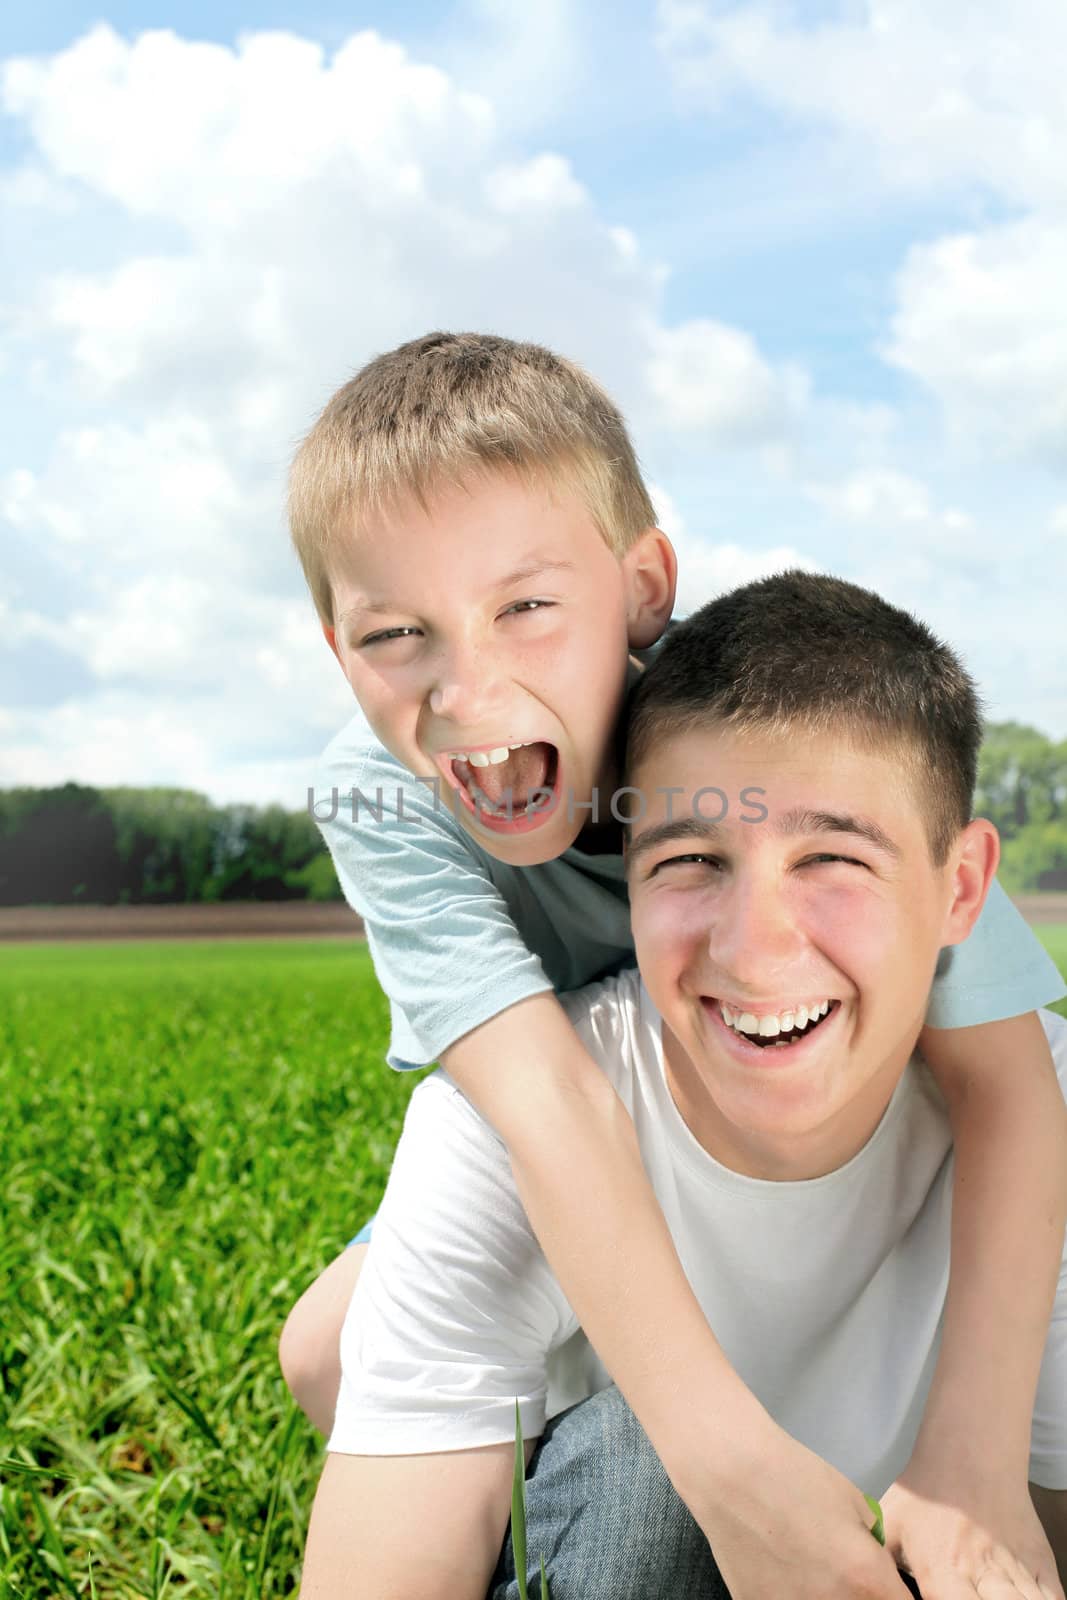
x: 457, y: 936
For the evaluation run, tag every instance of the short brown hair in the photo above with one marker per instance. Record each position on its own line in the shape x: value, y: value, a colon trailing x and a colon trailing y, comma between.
x: 446, y: 408
x: 802, y: 651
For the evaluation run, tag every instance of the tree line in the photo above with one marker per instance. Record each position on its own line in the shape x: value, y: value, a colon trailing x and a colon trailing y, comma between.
x: 76, y: 844
x: 124, y: 846
x: 1022, y: 787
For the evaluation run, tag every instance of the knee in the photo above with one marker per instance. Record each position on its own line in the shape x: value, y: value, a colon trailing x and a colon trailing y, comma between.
x: 616, y: 1459
x: 606, y: 1516
x: 299, y: 1352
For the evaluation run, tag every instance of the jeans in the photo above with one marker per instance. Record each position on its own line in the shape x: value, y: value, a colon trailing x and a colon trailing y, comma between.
x: 607, y: 1519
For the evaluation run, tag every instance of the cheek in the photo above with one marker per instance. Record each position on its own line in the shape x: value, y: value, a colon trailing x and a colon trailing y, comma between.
x: 859, y: 931
x: 666, y: 927
x: 381, y: 695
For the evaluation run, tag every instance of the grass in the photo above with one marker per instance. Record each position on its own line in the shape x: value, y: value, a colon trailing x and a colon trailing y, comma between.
x: 1053, y: 936
x: 191, y: 1133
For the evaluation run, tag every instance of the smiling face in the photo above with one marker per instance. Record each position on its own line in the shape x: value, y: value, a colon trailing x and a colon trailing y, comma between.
x: 486, y: 638
x: 791, y: 957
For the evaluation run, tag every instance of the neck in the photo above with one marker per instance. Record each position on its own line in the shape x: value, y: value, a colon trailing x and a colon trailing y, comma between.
x: 793, y: 1158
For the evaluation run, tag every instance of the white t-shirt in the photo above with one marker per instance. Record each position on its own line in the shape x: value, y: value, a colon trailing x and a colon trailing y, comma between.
x: 826, y: 1295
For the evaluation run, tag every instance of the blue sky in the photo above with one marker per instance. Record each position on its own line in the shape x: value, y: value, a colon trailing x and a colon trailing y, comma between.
x: 814, y: 249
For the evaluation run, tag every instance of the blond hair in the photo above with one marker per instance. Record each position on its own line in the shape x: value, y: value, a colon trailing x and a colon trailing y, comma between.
x: 447, y: 408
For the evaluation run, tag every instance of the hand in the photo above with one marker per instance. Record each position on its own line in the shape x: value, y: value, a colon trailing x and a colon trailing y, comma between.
x: 788, y: 1523
x: 963, y: 1534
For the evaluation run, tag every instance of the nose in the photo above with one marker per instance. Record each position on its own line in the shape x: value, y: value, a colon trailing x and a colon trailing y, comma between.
x: 754, y: 937
x: 466, y: 685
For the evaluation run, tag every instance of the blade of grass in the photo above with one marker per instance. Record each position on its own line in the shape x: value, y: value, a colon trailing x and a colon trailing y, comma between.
x: 878, y: 1528
x: 272, y: 1504
x: 186, y: 1403
x: 51, y: 1552
x: 518, y: 1510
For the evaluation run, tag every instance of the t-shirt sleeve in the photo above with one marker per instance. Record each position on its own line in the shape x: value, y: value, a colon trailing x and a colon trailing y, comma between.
x: 446, y: 950
x: 1001, y: 970
x: 455, y: 1308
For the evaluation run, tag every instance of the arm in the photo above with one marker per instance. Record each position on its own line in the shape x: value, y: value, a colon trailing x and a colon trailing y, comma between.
x: 361, y: 1542
x: 1009, y: 1211
x: 964, y: 1487
x: 578, y: 1171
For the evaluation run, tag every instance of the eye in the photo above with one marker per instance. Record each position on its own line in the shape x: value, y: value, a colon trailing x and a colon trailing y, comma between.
x: 828, y: 856
x: 521, y: 606
x: 691, y: 858
x: 387, y: 634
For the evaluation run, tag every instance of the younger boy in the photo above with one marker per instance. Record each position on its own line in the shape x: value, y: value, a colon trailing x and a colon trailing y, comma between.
x: 801, y: 759
x: 481, y: 549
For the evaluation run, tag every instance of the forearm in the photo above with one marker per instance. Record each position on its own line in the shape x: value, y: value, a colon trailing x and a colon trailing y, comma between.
x: 577, y: 1166
x: 1009, y: 1211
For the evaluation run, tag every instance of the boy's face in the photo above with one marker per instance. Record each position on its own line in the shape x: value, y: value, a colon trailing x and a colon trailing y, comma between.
x: 486, y: 639
x: 832, y: 897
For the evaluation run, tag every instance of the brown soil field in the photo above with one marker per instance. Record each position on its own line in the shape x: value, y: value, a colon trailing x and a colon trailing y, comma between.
x: 257, y: 919
x: 1042, y: 907
x: 252, y: 919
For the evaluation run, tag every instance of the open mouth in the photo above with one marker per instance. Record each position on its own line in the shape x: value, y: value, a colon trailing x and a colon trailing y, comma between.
x: 781, y: 1031
x: 509, y: 789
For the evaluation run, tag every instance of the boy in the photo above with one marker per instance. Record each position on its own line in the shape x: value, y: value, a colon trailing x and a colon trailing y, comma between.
x: 817, y: 913
x: 483, y: 556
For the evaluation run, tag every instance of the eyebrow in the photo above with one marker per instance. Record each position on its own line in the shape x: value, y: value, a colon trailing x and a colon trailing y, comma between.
x: 667, y: 832
x: 799, y: 820
x: 522, y: 574
x: 803, y: 820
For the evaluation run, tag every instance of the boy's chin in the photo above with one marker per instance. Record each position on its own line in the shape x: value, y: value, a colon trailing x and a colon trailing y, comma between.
x: 544, y: 841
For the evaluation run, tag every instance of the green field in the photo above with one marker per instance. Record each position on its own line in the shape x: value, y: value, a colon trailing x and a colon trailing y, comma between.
x: 1054, y: 937
x: 191, y: 1132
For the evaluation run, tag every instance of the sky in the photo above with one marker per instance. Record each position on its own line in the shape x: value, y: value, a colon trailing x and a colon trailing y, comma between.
x: 815, y: 249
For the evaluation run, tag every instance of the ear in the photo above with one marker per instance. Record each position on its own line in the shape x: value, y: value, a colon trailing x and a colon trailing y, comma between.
x: 650, y: 568
x: 329, y: 633
x: 971, y: 868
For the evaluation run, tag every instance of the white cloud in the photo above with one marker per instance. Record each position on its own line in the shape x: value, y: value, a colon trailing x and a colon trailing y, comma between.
x: 979, y: 320
x: 160, y: 498
x: 712, y: 380
x: 883, y: 496
x: 965, y: 90
x: 177, y: 129
x: 544, y: 184
x: 706, y: 569
x: 963, y: 96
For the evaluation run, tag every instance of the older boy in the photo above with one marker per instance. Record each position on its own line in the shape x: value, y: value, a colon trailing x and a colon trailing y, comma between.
x: 474, y: 529
x: 801, y: 761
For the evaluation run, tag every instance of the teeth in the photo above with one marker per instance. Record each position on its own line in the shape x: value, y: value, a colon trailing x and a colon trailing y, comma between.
x: 489, y: 758
x: 770, y: 1026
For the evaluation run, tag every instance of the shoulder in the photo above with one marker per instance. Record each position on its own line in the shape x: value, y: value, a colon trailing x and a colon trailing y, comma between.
x: 367, y: 801
x: 610, y: 1018
x: 355, y: 752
